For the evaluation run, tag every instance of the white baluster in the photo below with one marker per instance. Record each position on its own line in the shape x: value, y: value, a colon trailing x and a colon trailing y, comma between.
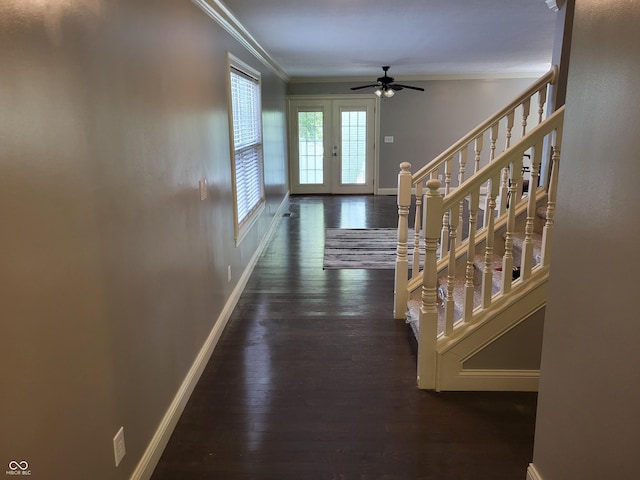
x: 527, y: 260
x: 510, y: 122
x: 504, y: 187
x: 547, y: 232
x: 507, y: 261
x: 526, y: 107
x: 417, y: 231
x: 444, y: 236
x: 462, y: 160
x: 487, y: 275
x: 428, y: 329
x: 504, y: 191
x: 461, y: 172
x: 451, y: 274
x: 542, y: 99
x: 493, y: 137
x: 447, y: 176
x: 401, y: 283
x: 478, y: 153
x: 474, y: 204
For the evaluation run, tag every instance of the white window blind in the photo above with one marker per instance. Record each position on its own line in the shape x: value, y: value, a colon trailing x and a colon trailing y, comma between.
x: 247, y: 143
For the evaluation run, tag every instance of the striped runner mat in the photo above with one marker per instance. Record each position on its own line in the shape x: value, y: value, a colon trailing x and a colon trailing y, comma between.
x: 363, y: 248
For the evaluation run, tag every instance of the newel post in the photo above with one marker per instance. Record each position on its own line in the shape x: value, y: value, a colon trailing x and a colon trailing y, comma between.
x: 400, y: 294
x: 428, y: 330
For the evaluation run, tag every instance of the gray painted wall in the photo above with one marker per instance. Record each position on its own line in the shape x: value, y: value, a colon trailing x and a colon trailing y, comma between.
x: 518, y: 349
x: 113, y: 272
x: 588, y: 418
x: 424, y: 124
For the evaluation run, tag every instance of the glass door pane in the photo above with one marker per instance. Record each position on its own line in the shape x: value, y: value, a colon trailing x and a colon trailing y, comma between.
x: 331, y: 144
x: 353, y: 167
x: 310, y: 148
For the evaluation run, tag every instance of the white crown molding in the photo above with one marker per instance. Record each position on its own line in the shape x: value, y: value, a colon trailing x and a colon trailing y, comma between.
x: 223, y: 16
x: 421, y: 78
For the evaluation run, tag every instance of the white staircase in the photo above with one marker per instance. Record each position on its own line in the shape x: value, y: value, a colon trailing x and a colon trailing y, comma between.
x: 470, y: 236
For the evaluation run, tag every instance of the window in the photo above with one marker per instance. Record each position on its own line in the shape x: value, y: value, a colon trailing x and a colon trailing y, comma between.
x: 247, y: 163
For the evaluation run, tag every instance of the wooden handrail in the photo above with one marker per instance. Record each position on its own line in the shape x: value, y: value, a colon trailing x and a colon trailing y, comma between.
x: 450, y: 235
x: 515, y: 152
x: 462, y: 316
x: 549, y: 78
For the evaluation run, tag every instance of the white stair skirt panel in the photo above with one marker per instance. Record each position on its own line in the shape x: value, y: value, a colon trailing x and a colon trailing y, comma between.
x: 453, y: 352
x: 475, y: 211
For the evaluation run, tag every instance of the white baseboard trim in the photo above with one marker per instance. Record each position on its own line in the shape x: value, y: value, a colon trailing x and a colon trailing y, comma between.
x: 532, y: 473
x: 152, y: 454
x: 487, y: 380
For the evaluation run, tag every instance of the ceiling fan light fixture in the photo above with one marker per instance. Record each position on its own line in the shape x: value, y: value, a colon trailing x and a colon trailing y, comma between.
x: 385, y: 86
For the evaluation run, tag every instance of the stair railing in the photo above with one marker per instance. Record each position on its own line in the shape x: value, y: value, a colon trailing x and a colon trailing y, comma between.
x: 548, y: 133
x: 497, y: 127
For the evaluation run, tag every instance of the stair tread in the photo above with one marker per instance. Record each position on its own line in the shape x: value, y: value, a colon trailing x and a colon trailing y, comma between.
x: 479, y: 262
x: 518, y: 241
x: 541, y: 212
x: 459, y: 281
x: 414, y: 313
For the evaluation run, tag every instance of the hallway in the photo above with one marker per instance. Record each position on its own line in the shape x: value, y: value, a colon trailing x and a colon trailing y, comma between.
x: 313, y: 379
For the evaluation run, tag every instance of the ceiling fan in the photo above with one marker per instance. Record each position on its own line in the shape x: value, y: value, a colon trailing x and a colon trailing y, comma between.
x: 385, y: 85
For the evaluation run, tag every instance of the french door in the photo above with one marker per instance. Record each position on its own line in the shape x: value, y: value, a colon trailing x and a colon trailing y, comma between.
x: 332, y: 145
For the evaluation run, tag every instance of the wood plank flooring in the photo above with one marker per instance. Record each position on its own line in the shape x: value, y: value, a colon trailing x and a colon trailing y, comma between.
x: 313, y: 379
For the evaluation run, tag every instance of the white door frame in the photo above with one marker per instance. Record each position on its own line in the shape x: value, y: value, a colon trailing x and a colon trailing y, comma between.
x: 318, y: 100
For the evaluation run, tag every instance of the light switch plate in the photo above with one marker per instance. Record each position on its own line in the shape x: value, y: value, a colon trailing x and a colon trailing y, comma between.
x: 203, y: 189
x: 388, y: 139
x: 119, y: 449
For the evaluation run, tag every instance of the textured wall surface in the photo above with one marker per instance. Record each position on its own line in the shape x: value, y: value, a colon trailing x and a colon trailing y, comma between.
x: 588, y: 421
x: 113, y: 271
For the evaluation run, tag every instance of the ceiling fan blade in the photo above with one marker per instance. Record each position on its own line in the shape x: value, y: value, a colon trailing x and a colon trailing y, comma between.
x: 387, y: 83
x: 366, y: 86
x: 408, y: 86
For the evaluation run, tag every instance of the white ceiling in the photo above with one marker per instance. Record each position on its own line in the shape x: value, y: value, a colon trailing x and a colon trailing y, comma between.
x: 353, y: 38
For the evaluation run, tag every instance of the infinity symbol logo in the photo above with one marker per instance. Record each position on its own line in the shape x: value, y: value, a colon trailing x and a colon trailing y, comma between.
x: 23, y: 465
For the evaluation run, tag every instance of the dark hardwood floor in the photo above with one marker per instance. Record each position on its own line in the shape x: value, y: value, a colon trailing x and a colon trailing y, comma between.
x: 313, y: 379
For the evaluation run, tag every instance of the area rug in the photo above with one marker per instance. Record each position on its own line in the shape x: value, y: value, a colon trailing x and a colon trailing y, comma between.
x: 363, y: 248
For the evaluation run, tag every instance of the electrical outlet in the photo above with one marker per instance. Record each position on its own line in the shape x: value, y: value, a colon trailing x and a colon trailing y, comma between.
x: 228, y: 273
x: 119, y: 449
